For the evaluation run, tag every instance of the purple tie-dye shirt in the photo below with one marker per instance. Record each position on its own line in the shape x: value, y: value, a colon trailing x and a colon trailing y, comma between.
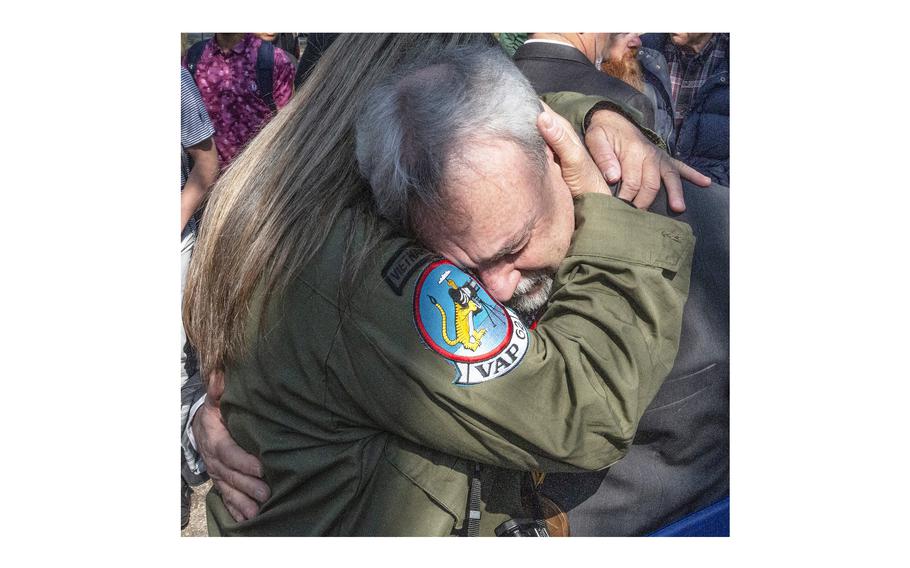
x: 227, y: 81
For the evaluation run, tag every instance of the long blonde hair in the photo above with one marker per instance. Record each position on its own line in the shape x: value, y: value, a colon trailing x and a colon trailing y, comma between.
x: 270, y: 211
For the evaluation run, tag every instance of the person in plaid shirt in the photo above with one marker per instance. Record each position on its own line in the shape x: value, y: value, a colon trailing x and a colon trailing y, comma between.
x: 691, y: 74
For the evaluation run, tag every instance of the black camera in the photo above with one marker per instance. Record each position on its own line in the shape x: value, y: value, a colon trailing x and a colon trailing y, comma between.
x: 522, y: 527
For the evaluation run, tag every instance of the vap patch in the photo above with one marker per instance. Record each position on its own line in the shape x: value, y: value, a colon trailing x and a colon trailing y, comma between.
x: 460, y: 321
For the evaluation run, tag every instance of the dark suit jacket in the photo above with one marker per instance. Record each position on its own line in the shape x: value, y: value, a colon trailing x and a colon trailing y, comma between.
x: 679, y: 461
x: 551, y: 67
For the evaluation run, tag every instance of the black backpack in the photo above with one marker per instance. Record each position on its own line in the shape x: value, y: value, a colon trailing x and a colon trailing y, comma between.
x: 265, y: 63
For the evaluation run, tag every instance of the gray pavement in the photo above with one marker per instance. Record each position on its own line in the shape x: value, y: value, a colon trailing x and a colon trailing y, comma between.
x: 197, y: 526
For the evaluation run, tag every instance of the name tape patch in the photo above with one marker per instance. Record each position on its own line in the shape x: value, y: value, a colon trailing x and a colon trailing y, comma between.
x: 403, y: 264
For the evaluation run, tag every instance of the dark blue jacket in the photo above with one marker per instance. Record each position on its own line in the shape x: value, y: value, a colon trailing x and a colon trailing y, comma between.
x: 703, y: 138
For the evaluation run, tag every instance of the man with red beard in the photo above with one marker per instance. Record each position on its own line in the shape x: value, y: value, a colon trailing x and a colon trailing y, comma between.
x: 620, y: 59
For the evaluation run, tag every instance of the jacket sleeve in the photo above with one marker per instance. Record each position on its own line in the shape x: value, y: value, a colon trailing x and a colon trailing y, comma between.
x: 578, y: 110
x: 564, y: 396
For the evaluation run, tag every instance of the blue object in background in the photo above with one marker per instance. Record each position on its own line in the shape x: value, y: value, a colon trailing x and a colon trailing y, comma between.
x: 710, y: 521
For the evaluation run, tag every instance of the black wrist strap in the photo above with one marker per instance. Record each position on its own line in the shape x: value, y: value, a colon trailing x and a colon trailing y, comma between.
x: 473, y: 520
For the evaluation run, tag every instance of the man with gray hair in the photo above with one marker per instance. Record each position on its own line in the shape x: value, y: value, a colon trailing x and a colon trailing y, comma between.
x: 421, y: 147
x: 414, y: 149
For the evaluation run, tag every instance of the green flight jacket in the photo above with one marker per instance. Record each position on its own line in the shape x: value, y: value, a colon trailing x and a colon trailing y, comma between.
x: 578, y: 110
x: 357, y: 412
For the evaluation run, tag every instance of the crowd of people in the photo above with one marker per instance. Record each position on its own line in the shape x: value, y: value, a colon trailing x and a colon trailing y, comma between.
x: 456, y: 284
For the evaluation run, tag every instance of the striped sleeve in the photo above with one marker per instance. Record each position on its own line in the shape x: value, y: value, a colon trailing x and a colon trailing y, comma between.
x: 195, y: 125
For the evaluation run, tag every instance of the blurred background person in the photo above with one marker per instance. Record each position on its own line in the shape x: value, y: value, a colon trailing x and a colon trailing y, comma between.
x: 287, y: 42
x: 243, y: 81
x: 198, y: 155
x: 690, y: 74
x: 620, y: 59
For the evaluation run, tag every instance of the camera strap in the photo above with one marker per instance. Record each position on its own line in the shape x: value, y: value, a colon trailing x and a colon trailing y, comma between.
x: 547, y: 512
x: 473, y: 521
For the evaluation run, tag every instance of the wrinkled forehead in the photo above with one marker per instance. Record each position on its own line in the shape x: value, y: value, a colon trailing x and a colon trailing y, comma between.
x: 492, y: 192
x: 493, y: 177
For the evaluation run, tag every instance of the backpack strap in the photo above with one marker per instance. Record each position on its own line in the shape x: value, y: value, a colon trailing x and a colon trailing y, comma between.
x: 265, y: 64
x: 193, y: 54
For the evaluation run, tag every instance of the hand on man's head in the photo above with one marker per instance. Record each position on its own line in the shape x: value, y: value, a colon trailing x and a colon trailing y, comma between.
x: 621, y: 151
x: 236, y: 474
x: 578, y: 169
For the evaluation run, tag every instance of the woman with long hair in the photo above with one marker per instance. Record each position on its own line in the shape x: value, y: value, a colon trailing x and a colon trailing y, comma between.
x: 268, y: 213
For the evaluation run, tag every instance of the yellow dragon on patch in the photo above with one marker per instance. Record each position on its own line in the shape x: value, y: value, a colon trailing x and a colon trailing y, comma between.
x: 465, y: 308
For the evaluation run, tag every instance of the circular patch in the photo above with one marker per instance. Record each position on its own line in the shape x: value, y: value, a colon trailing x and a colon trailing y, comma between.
x: 458, y: 319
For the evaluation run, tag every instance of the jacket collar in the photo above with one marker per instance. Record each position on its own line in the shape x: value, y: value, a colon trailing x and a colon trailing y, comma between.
x: 653, y: 62
x: 546, y: 50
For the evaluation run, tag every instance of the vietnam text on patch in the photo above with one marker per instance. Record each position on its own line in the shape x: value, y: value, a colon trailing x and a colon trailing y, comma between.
x: 403, y: 264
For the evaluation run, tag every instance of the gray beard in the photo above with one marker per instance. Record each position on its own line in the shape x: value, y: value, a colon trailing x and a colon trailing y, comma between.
x: 528, y: 305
